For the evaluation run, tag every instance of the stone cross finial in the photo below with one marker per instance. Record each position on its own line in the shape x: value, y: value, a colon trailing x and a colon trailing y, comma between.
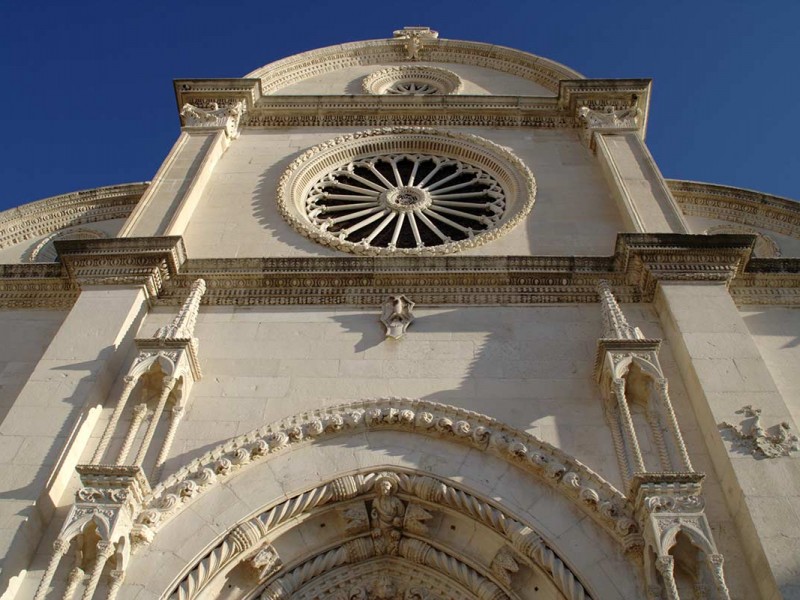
x: 182, y: 326
x: 615, y: 325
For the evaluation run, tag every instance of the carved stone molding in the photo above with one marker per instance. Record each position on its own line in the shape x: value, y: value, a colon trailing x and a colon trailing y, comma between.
x: 46, y: 216
x: 640, y: 261
x: 737, y: 205
x: 408, y: 80
x: 765, y: 246
x: 400, y: 488
x: 752, y: 438
x: 123, y: 261
x: 285, y: 72
x: 586, y: 489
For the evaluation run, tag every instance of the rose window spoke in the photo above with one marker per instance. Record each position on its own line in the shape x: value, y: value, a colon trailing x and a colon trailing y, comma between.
x: 401, y: 201
x: 412, y: 88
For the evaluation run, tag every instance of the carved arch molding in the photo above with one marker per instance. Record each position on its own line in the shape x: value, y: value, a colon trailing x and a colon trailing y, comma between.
x: 389, y: 531
x: 384, y: 534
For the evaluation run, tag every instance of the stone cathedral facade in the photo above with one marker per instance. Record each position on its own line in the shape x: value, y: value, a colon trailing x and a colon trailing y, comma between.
x: 403, y: 319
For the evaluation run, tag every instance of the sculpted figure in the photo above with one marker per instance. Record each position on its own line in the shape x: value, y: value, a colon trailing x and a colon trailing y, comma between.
x: 387, y: 517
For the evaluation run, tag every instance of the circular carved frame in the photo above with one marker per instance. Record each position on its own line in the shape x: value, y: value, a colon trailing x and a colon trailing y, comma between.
x: 440, y: 80
x: 516, y: 180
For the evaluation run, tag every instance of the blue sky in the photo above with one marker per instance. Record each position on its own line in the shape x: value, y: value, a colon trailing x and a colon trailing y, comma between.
x: 89, y: 101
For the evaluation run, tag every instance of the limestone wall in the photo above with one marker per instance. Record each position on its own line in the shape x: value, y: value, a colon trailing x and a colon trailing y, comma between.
x: 25, y: 335
x: 574, y: 213
x: 528, y: 367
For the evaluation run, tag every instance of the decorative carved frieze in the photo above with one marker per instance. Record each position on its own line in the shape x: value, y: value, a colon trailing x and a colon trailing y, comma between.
x: 752, y: 438
x: 46, y: 216
x: 294, y: 69
x: 123, y: 261
x: 640, y: 260
x: 736, y: 205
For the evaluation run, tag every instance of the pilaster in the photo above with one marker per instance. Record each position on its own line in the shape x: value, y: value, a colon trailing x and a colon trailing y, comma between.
x: 168, y: 204
x: 724, y: 373
x: 69, y: 385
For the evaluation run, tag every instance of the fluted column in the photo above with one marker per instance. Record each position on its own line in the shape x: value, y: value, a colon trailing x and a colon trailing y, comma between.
x: 175, y: 419
x: 715, y: 563
x: 166, y: 388
x: 138, y: 416
x: 130, y: 383
x: 104, y: 552
x: 665, y: 407
x: 628, y: 433
x: 666, y: 566
x: 60, y: 548
x: 73, y: 579
x: 115, y: 583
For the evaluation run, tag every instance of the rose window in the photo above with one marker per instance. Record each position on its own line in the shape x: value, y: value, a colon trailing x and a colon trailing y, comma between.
x: 413, y: 80
x: 406, y: 190
x: 405, y: 201
x: 411, y: 88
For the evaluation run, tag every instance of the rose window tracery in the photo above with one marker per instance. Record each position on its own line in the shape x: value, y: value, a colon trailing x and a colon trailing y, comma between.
x: 405, y: 201
x: 414, y: 80
x: 406, y: 190
x: 412, y: 88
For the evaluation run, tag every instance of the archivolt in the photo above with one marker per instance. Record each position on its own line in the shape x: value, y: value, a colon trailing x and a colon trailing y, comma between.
x: 587, y: 490
x: 416, y: 546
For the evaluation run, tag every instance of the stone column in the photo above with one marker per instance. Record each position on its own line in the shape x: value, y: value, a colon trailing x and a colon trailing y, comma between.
x: 666, y: 566
x: 166, y: 388
x: 60, y: 548
x: 116, y: 577
x: 104, y: 551
x: 130, y: 383
x: 724, y: 371
x: 139, y: 413
x: 73, y: 579
x: 70, y: 384
x: 668, y: 414
x: 632, y: 450
x: 175, y: 419
x: 715, y: 563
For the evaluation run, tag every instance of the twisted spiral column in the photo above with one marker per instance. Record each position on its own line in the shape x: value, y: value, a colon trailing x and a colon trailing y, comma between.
x: 130, y: 383
x: 666, y: 566
x: 175, y: 419
x: 75, y: 576
x: 628, y: 432
x: 104, y: 551
x: 60, y: 548
x: 138, y: 416
x: 166, y: 387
